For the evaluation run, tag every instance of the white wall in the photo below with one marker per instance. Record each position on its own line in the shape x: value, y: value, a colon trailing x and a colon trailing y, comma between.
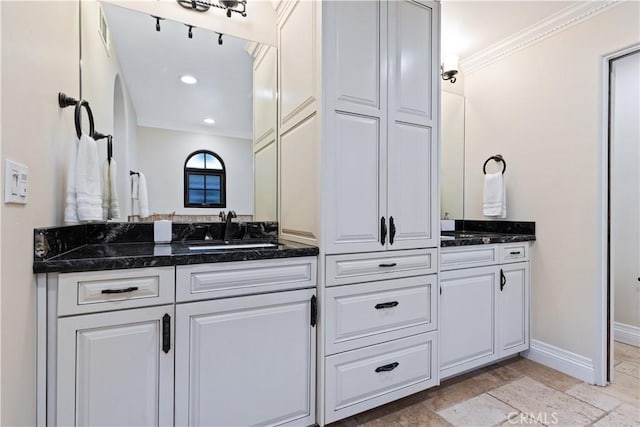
x: 161, y: 156
x: 625, y: 188
x: 541, y: 109
x: 39, y: 58
x: 100, y: 70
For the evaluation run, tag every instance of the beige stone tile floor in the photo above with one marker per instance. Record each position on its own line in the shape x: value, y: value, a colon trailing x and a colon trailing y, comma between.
x: 518, y: 392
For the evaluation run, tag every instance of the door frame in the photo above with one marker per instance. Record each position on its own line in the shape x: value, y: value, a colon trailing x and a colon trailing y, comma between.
x: 605, y: 290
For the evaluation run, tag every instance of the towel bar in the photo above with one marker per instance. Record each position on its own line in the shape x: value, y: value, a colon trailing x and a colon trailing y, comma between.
x: 497, y: 158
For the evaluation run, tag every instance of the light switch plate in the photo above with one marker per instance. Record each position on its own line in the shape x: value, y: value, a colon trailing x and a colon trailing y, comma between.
x: 16, y: 179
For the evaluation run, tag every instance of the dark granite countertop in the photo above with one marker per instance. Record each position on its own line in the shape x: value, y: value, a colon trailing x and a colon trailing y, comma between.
x: 485, y: 232
x: 112, y: 256
x: 464, y: 238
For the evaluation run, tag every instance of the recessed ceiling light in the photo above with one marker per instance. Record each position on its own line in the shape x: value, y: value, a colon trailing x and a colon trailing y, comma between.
x: 209, y: 121
x: 188, y: 79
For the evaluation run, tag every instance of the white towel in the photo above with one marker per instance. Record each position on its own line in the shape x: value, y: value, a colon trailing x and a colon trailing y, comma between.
x: 139, y: 193
x: 88, y: 190
x: 71, y: 208
x: 495, y: 197
x: 143, y: 197
x: 110, y: 206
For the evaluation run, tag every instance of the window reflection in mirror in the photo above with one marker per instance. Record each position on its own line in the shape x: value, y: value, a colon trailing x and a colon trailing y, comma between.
x: 452, y: 156
x: 132, y: 75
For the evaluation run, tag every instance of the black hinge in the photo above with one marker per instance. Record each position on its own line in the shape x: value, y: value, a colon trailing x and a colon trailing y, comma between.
x: 166, y: 333
x: 314, y: 310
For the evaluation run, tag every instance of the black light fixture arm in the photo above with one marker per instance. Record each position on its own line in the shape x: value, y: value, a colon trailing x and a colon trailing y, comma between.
x: 231, y: 6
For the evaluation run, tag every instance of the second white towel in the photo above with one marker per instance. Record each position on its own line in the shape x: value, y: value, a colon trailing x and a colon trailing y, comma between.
x: 495, y: 196
x: 110, y: 206
x: 139, y: 193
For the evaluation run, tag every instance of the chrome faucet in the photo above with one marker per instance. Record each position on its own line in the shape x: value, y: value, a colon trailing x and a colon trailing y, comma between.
x: 229, y: 220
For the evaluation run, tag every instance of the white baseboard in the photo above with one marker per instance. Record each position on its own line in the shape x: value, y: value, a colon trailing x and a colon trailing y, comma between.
x: 627, y: 334
x: 561, y: 360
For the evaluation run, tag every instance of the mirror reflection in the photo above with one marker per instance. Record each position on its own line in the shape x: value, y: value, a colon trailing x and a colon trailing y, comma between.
x: 452, y: 156
x: 173, y: 99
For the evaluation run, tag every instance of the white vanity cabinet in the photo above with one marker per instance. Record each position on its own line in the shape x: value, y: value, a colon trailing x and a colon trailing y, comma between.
x: 116, y: 369
x: 248, y: 360
x: 114, y: 361
x: 380, y: 329
x: 230, y: 343
x: 484, y: 309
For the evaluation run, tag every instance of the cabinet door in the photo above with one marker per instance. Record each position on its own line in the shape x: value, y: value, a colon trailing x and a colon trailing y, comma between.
x: 514, y: 308
x: 467, y: 319
x: 246, y: 361
x: 354, y: 36
x: 412, y: 124
x: 112, y: 369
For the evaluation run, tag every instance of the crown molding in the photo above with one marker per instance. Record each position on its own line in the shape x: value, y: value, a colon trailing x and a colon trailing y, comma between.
x: 560, y: 21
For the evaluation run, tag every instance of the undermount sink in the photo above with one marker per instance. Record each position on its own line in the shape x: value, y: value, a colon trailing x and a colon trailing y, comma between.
x: 232, y: 246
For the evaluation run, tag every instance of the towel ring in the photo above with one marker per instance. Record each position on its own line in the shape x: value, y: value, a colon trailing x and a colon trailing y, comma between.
x: 78, y: 112
x: 497, y: 158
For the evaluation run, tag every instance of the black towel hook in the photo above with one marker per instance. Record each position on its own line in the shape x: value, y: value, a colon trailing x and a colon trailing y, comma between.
x: 497, y: 158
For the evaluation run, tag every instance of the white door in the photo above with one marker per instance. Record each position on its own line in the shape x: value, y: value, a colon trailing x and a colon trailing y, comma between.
x: 116, y: 368
x: 412, y: 124
x: 625, y: 197
x: 467, y: 318
x: 246, y: 361
x: 514, y: 308
x: 354, y: 35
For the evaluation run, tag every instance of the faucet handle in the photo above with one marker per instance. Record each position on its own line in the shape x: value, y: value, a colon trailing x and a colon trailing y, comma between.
x: 223, y: 216
x: 232, y: 214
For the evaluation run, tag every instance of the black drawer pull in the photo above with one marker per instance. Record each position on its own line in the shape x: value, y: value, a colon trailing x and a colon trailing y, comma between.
x: 391, y: 264
x: 120, y: 291
x: 515, y: 253
x: 386, y: 305
x: 387, y: 368
x: 166, y: 333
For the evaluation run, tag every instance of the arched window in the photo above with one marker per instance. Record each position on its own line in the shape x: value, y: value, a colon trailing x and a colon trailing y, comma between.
x: 204, y: 180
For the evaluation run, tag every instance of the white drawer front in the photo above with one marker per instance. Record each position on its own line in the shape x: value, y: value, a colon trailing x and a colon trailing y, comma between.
x: 207, y: 281
x: 370, y: 313
x: 90, y: 292
x: 362, y: 379
x: 358, y: 268
x: 468, y: 256
x: 514, y: 252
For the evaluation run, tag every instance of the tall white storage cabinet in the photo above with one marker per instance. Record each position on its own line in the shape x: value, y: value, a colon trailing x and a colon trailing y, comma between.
x: 358, y: 148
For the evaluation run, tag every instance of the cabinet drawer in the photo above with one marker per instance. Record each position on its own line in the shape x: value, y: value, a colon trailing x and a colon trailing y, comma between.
x: 514, y: 252
x: 90, y: 292
x: 370, y: 313
x: 469, y: 256
x: 206, y: 281
x: 363, y: 379
x: 358, y: 268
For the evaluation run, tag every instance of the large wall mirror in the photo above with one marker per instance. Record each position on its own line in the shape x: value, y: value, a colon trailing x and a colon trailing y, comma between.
x: 452, y: 156
x: 165, y: 95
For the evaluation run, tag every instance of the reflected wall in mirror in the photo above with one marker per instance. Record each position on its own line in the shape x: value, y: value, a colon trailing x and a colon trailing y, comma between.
x: 134, y: 78
x: 452, y: 156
